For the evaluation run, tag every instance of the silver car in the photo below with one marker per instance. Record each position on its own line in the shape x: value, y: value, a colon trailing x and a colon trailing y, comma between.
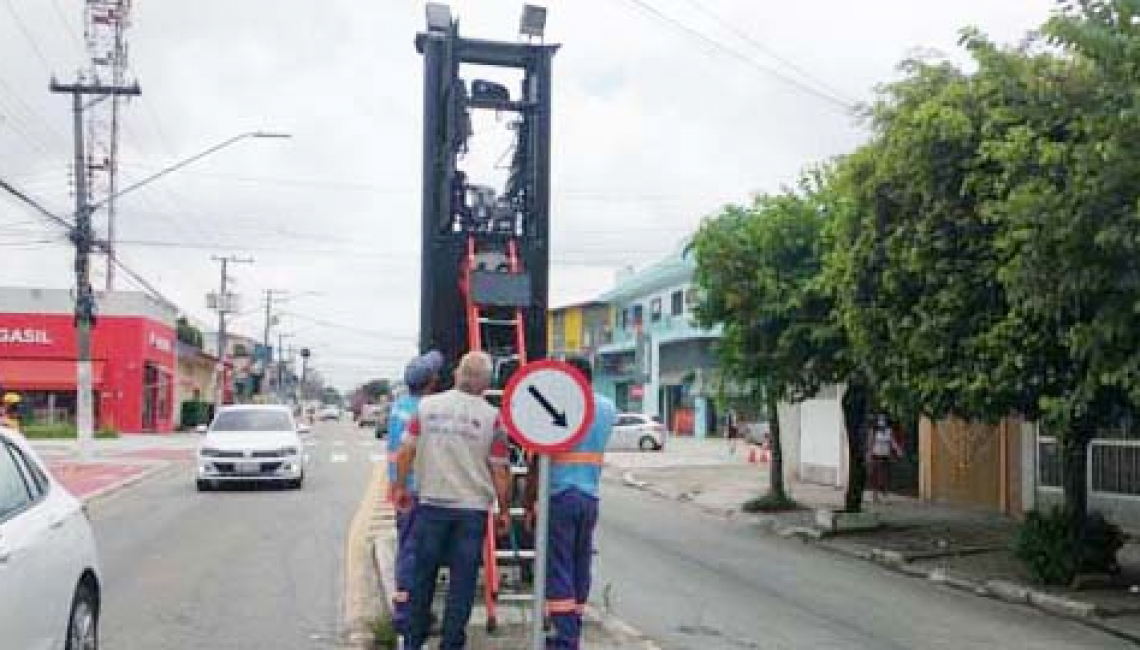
x: 252, y: 442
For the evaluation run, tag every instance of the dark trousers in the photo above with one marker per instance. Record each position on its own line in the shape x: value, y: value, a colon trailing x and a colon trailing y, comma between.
x: 573, y: 517
x: 449, y: 537
x: 405, y: 567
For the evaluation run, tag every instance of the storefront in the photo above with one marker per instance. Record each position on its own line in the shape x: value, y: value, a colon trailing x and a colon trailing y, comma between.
x: 133, y: 358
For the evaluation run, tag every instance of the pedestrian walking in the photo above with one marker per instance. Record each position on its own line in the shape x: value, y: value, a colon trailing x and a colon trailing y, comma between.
x: 421, y: 376
x: 884, y: 449
x: 460, y: 457
x: 574, y: 479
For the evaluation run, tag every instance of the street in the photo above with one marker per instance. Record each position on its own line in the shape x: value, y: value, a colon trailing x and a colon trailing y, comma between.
x: 692, y: 580
x: 236, y: 569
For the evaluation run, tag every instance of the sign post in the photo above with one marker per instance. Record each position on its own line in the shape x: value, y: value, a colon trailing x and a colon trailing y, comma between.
x: 547, y: 408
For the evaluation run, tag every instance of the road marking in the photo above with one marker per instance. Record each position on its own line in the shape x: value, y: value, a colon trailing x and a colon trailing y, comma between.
x: 367, y: 443
x: 339, y: 458
x: 310, y: 443
x: 378, y: 458
x: 338, y: 443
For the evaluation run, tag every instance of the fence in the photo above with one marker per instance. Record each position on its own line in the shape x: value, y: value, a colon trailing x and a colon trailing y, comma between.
x: 1113, y: 466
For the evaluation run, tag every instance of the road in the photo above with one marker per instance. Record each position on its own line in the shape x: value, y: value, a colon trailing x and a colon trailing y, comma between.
x: 237, y: 569
x: 693, y: 580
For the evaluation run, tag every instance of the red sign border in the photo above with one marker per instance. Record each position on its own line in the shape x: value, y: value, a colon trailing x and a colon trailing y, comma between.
x: 513, y: 385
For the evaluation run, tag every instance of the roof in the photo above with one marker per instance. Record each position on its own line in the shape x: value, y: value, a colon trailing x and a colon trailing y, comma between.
x: 676, y: 268
x: 256, y: 407
x: 581, y: 305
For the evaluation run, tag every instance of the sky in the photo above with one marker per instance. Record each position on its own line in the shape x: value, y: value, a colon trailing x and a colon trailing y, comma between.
x: 664, y: 110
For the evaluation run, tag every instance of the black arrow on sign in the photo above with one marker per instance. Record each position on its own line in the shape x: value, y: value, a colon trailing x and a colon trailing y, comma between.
x: 558, y: 417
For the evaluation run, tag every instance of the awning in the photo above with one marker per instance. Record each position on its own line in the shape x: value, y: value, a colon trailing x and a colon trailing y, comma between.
x: 44, y: 374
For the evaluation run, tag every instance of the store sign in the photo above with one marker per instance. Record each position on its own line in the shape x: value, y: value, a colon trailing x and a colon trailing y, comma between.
x: 27, y: 336
x: 160, y: 343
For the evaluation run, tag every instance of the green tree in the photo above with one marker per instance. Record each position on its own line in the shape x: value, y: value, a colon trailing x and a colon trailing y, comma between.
x: 761, y: 274
x: 187, y: 333
x: 989, y: 264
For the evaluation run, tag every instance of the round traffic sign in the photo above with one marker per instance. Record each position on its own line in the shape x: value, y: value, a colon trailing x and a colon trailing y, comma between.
x: 548, y: 406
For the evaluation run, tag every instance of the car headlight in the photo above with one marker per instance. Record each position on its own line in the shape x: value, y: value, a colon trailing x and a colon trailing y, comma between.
x: 208, y: 452
x: 288, y: 451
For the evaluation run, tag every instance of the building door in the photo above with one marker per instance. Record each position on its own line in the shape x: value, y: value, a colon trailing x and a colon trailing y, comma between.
x: 151, y: 397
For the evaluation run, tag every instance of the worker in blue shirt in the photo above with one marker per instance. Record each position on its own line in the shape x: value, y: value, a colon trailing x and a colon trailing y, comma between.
x: 574, y: 478
x: 422, y: 378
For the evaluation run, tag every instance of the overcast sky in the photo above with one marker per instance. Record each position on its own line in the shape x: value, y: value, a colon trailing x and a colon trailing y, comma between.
x: 662, y: 114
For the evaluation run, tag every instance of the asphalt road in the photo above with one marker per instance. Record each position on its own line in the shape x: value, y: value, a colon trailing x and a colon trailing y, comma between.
x: 237, y: 569
x: 692, y: 580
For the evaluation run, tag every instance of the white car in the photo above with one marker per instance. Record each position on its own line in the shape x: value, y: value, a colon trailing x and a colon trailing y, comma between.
x: 253, y: 442
x: 329, y: 412
x: 49, y: 570
x: 637, y: 431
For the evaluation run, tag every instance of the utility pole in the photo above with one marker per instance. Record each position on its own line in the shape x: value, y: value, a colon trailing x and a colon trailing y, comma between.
x: 305, y: 353
x: 270, y: 296
x: 281, y: 336
x: 224, y: 304
x: 83, y: 237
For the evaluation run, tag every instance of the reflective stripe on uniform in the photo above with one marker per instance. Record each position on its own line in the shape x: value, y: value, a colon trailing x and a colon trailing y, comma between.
x: 578, y: 458
x: 401, y: 597
x: 562, y: 606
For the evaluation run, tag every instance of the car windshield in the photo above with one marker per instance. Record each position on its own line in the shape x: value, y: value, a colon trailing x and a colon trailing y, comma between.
x: 252, y: 420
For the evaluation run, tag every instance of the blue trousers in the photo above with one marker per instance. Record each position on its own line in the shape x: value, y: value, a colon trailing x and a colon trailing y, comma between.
x: 450, y: 537
x: 573, y: 517
x: 405, y: 568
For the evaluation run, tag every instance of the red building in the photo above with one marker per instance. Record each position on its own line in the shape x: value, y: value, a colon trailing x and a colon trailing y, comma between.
x: 133, y: 358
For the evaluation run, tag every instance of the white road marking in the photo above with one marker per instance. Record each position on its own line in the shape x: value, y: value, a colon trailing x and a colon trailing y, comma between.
x: 378, y: 458
x: 339, y: 458
x: 310, y: 443
x: 338, y: 443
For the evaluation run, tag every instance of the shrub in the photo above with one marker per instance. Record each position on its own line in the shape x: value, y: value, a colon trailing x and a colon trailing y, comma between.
x: 42, y: 431
x: 1048, y: 547
x: 769, y: 503
x: 384, y: 636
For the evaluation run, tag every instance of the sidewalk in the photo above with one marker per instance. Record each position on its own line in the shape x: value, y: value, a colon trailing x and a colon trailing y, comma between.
x: 602, y: 632
x: 114, y: 464
x: 958, y: 547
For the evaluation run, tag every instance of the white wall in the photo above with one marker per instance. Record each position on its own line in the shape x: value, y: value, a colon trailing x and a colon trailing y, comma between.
x: 814, y: 428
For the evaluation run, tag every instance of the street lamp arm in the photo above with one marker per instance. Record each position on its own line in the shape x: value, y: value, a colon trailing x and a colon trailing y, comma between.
x: 192, y: 159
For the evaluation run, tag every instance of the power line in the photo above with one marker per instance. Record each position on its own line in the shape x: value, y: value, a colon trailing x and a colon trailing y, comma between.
x: 725, y: 49
x: 767, y: 51
x: 28, y: 36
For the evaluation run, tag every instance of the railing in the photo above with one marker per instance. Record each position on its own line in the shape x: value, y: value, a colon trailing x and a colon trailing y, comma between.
x: 1049, y: 463
x: 1113, y: 466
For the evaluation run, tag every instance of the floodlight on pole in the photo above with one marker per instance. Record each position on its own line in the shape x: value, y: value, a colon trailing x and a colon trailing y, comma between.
x: 533, y: 22
x: 438, y: 16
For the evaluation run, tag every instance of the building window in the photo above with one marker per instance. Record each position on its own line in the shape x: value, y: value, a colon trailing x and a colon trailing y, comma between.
x: 638, y: 315
x: 623, y: 320
x: 677, y: 300
x: 655, y: 309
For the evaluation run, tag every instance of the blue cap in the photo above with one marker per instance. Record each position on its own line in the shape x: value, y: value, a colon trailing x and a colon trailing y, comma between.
x: 423, y: 369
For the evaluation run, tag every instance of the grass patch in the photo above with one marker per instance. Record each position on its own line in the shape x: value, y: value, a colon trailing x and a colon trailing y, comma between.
x: 769, y: 503
x: 384, y: 636
x: 61, y: 431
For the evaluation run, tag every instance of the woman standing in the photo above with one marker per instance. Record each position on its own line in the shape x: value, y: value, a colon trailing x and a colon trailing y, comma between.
x: 884, y: 449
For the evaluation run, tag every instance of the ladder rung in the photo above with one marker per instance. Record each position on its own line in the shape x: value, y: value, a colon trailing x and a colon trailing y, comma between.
x: 497, y: 321
x: 519, y: 471
x: 515, y: 598
x: 517, y: 512
x: 521, y: 554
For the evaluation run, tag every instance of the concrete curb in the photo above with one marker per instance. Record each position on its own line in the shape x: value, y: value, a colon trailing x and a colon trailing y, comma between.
x: 1080, y: 611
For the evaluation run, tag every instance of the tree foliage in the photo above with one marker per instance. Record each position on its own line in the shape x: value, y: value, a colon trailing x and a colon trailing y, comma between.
x: 760, y: 270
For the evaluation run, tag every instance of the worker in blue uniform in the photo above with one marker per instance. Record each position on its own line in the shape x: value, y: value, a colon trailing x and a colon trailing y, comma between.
x: 421, y: 376
x: 574, y: 479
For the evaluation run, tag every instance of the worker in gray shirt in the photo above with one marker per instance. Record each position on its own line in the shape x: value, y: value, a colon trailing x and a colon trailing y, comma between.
x: 460, y: 456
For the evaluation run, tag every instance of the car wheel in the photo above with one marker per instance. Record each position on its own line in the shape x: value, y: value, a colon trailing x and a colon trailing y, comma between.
x: 83, y: 624
x: 203, y: 486
x: 647, y: 443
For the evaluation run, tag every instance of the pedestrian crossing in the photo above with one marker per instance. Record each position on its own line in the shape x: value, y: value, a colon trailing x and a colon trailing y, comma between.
x: 340, y: 451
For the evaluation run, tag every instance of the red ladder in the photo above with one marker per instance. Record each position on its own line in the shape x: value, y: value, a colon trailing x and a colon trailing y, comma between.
x: 515, y: 351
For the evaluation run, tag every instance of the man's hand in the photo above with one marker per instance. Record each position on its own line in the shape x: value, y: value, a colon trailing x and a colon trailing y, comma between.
x: 502, y: 523
x: 402, y: 499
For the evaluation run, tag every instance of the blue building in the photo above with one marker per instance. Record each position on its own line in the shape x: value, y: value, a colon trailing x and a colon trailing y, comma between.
x: 655, y: 359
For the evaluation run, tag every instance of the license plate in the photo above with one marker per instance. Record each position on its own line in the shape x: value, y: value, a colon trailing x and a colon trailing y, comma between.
x: 248, y: 468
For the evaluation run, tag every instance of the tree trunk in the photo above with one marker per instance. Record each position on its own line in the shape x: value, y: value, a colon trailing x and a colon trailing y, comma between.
x: 776, y: 475
x: 1074, y: 480
x: 855, y: 400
